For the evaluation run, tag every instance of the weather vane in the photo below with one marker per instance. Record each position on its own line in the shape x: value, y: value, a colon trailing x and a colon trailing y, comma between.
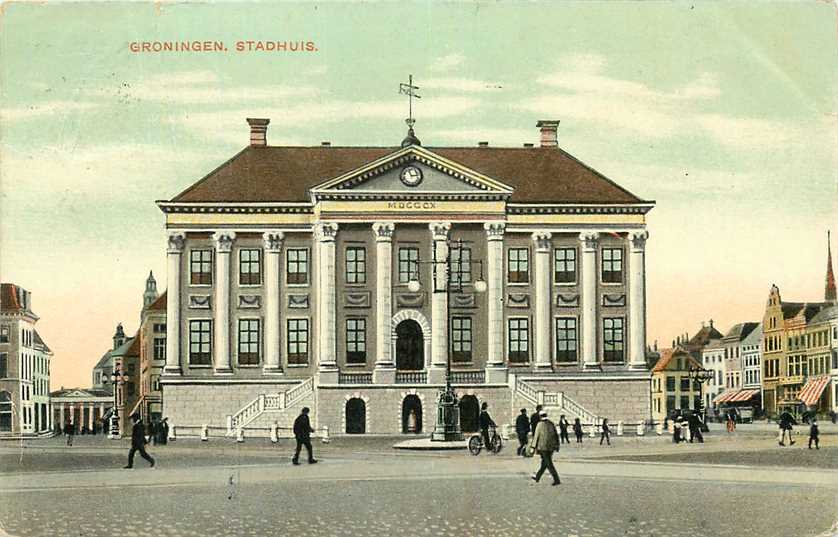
x: 410, y: 90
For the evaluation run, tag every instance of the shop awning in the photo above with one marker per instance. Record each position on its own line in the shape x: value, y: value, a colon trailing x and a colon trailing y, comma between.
x: 743, y: 395
x: 813, y: 389
x: 726, y: 396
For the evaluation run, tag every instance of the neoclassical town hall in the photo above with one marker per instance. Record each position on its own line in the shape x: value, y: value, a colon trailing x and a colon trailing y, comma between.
x: 315, y: 276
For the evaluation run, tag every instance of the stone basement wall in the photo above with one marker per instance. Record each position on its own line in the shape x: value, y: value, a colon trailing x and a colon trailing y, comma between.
x: 626, y: 400
x: 384, y: 406
x: 209, y: 404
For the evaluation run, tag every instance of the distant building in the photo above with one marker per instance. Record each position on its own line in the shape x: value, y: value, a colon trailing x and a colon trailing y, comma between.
x: 24, y: 366
x: 672, y: 387
x: 752, y: 359
x: 713, y: 360
x: 152, y: 336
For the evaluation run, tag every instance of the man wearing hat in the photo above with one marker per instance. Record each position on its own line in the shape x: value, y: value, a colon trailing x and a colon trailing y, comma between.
x: 545, y: 441
x: 138, y: 442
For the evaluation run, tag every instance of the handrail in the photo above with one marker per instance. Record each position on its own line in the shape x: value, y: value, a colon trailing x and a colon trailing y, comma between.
x: 527, y: 390
x: 298, y: 392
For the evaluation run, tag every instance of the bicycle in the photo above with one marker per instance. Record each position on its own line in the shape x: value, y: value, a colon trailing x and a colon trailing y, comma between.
x: 475, y: 443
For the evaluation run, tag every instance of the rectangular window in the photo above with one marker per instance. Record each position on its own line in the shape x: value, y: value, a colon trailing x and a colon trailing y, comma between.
x: 613, y: 339
x: 356, y: 341
x: 129, y: 388
x: 564, y: 265
x: 461, y: 265
x: 250, y: 267
x: 670, y: 403
x: 566, y: 340
x: 4, y: 333
x: 685, y: 402
x: 685, y: 384
x: 297, y: 341
x: 461, y: 339
x: 159, y: 348
x: 159, y: 328
x: 200, y: 342
x: 200, y: 267
x: 612, y: 265
x: 248, y: 341
x: 519, y: 341
x: 670, y: 384
x: 4, y: 365
x: 297, y: 266
x: 408, y: 264
x: 518, y: 265
x: 356, y: 264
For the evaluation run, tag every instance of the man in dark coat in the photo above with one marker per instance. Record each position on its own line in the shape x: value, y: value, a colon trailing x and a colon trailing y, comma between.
x: 302, y: 432
x: 695, y: 428
x: 545, y: 441
x: 522, y: 429
x: 69, y: 430
x: 138, y: 442
x: 563, y: 426
x: 485, y: 421
x: 786, y: 422
x: 163, y: 431
x: 535, y: 418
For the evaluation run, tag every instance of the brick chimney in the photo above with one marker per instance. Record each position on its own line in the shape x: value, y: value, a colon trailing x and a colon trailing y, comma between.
x: 549, y: 132
x: 258, y: 131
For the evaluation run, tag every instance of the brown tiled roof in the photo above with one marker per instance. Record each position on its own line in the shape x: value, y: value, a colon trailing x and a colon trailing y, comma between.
x: 8, y: 298
x: 159, y: 303
x: 538, y: 175
x: 704, y: 336
x: 668, y: 354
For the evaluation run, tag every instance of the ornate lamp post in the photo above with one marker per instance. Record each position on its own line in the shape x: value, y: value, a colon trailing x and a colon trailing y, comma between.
x: 118, y: 378
x: 700, y: 375
x: 447, y: 427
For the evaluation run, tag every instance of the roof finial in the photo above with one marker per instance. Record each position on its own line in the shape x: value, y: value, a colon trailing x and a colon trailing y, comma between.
x: 829, y: 294
x: 410, y: 90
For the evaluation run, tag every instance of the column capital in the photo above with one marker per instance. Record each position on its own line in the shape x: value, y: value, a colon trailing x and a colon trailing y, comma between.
x: 495, y: 230
x: 176, y: 242
x: 542, y: 240
x: 224, y: 241
x: 326, y: 231
x: 440, y: 230
x: 273, y: 240
x: 638, y: 239
x: 383, y: 231
x: 589, y: 239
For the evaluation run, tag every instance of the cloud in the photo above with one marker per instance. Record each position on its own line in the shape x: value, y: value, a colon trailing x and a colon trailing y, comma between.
x: 460, y: 84
x: 47, y: 108
x: 448, y: 62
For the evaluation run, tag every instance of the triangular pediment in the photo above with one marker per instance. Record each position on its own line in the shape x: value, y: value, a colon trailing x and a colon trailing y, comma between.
x: 410, y: 171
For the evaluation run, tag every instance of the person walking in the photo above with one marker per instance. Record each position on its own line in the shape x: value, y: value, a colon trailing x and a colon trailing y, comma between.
x: 302, y: 433
x: 69, y: 430
x: 522, y: 429
x: 545, y: 441
x: 813, y: 433
x: 485, y: 421
x: 786, y: 426
x: 606, y: 432
x: 676, y: 430
x: 138, y: 442
x: 577, y: 430
x: 695, y: 428
x: 163, y: 431
x: 563, y: 426
x: 534, y: 418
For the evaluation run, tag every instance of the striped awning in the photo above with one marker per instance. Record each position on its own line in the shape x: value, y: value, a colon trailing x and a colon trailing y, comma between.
x: 813, y: 389
x: 743, y: 395
x: 726, y: 396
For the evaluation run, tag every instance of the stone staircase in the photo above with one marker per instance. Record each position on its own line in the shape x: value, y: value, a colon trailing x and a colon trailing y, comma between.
x: 555, y: 403
x: 268, y: 403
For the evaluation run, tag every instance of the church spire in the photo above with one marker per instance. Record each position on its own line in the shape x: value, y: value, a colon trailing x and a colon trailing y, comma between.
x: 150, y: 294
x: 829, y: 292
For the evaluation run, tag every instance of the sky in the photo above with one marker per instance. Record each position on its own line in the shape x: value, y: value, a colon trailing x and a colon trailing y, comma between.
x: 725, y: 114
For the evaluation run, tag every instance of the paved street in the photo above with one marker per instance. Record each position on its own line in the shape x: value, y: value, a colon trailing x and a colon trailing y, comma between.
x: 363, y: 487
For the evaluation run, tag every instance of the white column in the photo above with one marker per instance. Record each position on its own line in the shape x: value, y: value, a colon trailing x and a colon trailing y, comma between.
x: 588, y: 300
x: 541, y: 294
x: 61, y: 415
x: 173, y: 254
x: 221, y: 307
x: 385, y: 368
x: 439, y: 302
x: 90, y: 417
x: 326, y: 233
x: 495, y: 370
x: 273, y: 247
x: 637, y: 300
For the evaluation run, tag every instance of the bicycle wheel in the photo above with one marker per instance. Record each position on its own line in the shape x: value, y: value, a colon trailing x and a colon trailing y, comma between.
x: 497, y: 444
x: 475, y: 445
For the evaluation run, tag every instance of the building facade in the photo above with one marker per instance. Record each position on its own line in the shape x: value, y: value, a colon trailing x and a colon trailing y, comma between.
x: 152, y: 334
x: 713, y: 360
x: 673, y: 387
x: 346, y: 278
x: 24, y: 366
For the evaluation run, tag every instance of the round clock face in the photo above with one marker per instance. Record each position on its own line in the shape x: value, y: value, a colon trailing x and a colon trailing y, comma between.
x: 411, y: 176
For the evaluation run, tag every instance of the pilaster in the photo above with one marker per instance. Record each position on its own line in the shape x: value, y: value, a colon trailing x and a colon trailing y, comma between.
x: 221, y: 308
x: 541, y: 294
x: 496, y: 371
x: 273, y: 248
x: 589, y: 241
x: 439, y: 301
x: 385, y: 367
x: 637, y: 300
x: 174, y: 254
x: 327, y: 363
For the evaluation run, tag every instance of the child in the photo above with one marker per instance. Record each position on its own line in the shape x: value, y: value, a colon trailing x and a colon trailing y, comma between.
x: 813, y: 434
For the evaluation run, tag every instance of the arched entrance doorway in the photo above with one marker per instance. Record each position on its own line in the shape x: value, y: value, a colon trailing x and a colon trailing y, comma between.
x: 469, y: 414
x: 356, y: 416
x: 412, y: 414
x: 410, y: 348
